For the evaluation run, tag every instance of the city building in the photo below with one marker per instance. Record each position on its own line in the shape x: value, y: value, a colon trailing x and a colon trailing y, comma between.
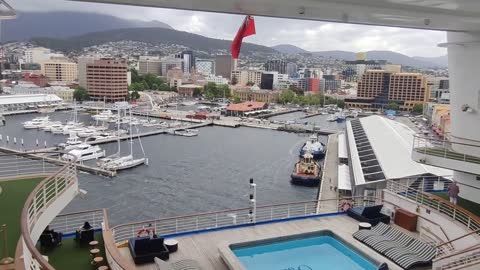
x: 65, y: 93
x: 224, y: 65
x: 269, y: 80
x: 242, y: 109
x: 175, y: 73
x: 149, y: 65
x: 244, y: 77
x: 361, y: 66
x: 37, y: 79
x: 39, y: 55
x: 188, y: 90
x: 82, y: 69
x: 330, y: 83
x: 205, y: 66
x: 216, y: 79
x: 10, y: 103
x: 107, y: 79
x: 378, y: 88
x: 439, y: 88
x: 170, y: 63
x: 292, y: 69
x: 279, y: 66
x: 440, y: 120
x: 60, y: 71
x: 254, y: 93
x: 313, y: 85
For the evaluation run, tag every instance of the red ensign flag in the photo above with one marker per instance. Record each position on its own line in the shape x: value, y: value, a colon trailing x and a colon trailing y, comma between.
x: 246, y: 29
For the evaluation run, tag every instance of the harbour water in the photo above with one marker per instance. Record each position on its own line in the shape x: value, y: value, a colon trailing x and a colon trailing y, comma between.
x: 188, y: 175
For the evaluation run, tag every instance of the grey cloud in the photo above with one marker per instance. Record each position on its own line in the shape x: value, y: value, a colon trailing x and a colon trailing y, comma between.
x: 309, y: 35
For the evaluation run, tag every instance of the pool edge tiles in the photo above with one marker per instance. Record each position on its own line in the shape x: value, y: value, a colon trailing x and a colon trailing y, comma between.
x: 237, y: 255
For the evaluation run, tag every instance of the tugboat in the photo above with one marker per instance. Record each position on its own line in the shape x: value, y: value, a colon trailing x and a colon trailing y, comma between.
x: 313, y: 146
x: 306, y: 172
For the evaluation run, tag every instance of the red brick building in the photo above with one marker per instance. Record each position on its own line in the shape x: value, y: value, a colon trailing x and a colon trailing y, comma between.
x: 313, y: 85
x: 37, y: 79
x: 107, y: 79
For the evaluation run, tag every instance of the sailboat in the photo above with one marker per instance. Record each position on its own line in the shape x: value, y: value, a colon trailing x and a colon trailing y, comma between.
x: 116, y: 162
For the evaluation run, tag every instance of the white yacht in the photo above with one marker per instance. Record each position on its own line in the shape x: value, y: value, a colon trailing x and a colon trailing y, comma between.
x: 36, y: 123
x: 105, y: 115
x: 52, y: 125
x: 84, y: 152
x: 72, y: 143
x: 88, y: 132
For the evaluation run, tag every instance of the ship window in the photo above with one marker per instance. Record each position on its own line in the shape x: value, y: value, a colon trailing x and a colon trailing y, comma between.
x: 478, y: 177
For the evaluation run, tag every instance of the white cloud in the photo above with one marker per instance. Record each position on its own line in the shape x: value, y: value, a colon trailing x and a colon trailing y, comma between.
x: 309, y: 35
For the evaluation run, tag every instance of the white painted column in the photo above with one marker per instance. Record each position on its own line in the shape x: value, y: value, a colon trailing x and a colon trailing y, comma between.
x: 464, y: 73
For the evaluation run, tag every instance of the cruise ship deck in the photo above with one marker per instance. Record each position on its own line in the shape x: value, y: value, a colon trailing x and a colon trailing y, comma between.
x: 206, y: 248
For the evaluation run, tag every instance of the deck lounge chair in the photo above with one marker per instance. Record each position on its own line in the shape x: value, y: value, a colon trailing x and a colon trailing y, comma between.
x: 379, y: 229
x: 370, y: 214
x: 178, y: 265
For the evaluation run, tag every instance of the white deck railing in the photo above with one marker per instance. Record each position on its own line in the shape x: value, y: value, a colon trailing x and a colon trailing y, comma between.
x: 469, y: 220
x: 42, y: 202
x: 233, y: 217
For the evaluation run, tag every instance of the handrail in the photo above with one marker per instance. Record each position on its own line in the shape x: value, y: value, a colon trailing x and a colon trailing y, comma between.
x: 443, y: 141
x: 423, y: 198
x: 24, y: 221
x: 468, y: 249
x: 460, y: 237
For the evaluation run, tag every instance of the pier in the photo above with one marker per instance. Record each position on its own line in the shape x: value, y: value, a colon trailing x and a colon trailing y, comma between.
x: 328, y: 190
x: 268, y: 115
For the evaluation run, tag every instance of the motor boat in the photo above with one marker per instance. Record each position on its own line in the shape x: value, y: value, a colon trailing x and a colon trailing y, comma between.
x: 186, y: 132
x: 72, y: 143
x: 84, y: 152
x: 88, y: 133
x: 105, y: 115
x: 36, y: 123
x: 52, y: 125
x: 306, y: 172
x: 314, y: 147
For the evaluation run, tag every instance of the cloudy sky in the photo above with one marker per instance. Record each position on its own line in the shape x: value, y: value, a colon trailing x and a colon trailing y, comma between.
x: 309, y: 35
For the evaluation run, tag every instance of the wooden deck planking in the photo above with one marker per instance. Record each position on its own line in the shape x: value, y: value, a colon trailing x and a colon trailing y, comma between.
x: 204, y: 247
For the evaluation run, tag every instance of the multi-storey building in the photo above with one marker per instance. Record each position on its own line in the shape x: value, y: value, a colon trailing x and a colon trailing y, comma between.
x: 205, y: 66
x: 39, y: 55
x: 244, y: 77
x: 170, y: 63
x: 223, y: 65
x: 149, y: 65
x: 82, y: 69
x: 107, y: 79
x: 256, y: 94
x: 292, y: 69
x: 279, y: 66
x: 60, y: 70
x: 379, y: 87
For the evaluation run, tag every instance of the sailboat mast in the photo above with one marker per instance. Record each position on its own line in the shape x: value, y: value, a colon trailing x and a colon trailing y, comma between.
x: 131, y: 133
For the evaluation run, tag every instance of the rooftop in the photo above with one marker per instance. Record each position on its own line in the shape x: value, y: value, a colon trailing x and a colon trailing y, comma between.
x: 246, y: 106
x: 388, y: 142
x: 33, y: 98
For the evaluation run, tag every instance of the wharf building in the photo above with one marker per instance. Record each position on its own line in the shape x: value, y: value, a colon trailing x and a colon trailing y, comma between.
x: 107, y: 79
x: 254, y: 93
x: 379, y: 88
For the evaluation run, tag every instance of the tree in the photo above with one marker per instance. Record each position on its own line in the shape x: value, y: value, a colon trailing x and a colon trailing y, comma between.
x: 154, y: 86
x: 250, y: 83
x: 197, y: 92
x: 234, y: 81
x: 236, y: 100
x: 134, y: 95
x: 80, y: 94
x: 418, y: 109
x: 392, y: 106
x: 286, y: 96
x: 145, y: 85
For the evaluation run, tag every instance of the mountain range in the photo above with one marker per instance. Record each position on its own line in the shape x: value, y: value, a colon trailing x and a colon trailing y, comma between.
x: 392, y: 57
x: 63, y: 24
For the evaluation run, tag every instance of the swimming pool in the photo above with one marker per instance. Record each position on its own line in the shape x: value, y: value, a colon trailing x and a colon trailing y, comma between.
x: 321, y: 250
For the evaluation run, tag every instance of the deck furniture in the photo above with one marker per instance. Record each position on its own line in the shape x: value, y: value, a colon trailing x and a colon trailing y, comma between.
x: 171, y: 244
x: 401, y: 248
x: 370, y: 214
x: 97, y: 260
x: 406, y: 220
x: 364, y: 226
x: 84, y: 237
x: 144, y: 249
x: 94, y: 252
x: 178, y: 265
x: 103, y: 267
x: 93, y: 244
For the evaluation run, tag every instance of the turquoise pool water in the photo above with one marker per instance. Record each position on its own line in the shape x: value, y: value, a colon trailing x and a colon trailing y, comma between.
x: 306, y: 253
